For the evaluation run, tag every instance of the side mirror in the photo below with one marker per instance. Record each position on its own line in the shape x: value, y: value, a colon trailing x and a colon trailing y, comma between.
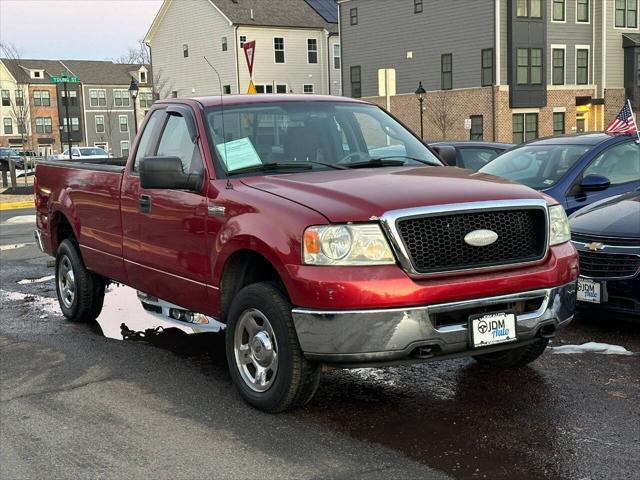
x: 166, y: 172
x: 593, y: 183
x: 447, y: 154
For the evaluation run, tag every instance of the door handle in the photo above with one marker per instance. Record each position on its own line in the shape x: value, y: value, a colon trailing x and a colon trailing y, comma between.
x: 145, y: 203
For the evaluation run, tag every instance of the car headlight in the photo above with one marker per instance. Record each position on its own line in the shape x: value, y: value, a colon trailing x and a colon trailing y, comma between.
x: 559, y: 229
x: 361, y: 244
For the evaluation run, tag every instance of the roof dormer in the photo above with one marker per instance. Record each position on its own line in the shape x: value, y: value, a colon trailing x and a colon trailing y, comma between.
x: 36, y: 74
x: 143, y: 73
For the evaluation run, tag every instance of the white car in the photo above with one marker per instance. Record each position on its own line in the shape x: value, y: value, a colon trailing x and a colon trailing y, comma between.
x: 83, y: 153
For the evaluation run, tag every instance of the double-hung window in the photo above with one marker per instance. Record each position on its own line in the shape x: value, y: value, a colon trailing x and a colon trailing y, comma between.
x: 446, y: 71
x: 626, y: 14
x: 41, y: 98
x: 6, y: 98
x: 583, y: 11
x: 43, y: 125
x: 477, y: 128
x: 529, y: 66
x: 19, y: 98
x: 121, y: 98
x: 356, y: 82
x: 487, y: 67
x: 312, y: 50
x: 558, y: 65
x: 8, y: 125
x: 336, y: 56
x: 98, y: 98
x: 582, y: 66
x: 417, y: 6
x: 123, y: 120
x: 353, y: 16
x: 525, y: 127
x: 99, y: 123
x: 558, y: 123
x: 278, y: 48
x: 559, y: 10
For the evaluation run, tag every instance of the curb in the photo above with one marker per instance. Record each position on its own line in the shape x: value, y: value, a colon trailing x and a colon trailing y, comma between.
x: 16, y: 205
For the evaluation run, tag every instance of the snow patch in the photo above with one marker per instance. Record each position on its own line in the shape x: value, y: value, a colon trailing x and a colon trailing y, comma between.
x: 28, y: 281
x: 592, y: 347
x: 49, y: 305
x: 15, y: 246
x: 20, y: 219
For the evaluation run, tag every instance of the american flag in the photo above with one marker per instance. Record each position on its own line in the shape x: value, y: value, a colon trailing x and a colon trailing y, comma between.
x: 624, y: 123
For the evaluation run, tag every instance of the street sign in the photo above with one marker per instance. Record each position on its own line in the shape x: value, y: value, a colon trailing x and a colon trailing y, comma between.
x: 467, y: 124
x: 249, y: 53
x: 64, y: 79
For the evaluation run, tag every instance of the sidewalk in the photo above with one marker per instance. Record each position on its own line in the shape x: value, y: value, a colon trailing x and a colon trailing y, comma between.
x: 21, y: 198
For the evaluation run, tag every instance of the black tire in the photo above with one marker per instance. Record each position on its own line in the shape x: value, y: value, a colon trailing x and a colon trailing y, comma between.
x: 88, y: 295
x: 296, y: 379
x: 515, y: 357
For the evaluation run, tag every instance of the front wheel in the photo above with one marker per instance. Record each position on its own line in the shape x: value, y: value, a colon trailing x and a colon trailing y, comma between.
x: 264, y: 356
x: 80, y: 292
x: 515, y: 357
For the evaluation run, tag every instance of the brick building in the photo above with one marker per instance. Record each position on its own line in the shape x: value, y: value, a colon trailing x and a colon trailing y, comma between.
x: 517, y: 69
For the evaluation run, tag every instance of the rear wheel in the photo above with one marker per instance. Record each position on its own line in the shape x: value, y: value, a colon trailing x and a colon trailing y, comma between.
x: 80, y: 292
x: 515, y: 357
x: 264, y: 356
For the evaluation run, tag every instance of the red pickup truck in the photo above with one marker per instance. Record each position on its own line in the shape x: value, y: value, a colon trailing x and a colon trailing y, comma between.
x: 321, y: 231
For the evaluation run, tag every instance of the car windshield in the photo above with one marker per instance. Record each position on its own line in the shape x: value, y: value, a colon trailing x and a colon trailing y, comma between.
x: 90, y: 152
x: 299, y: 136
x: 536, y: 166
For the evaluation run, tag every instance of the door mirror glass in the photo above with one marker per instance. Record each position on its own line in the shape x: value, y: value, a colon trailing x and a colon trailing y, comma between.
x: 167, y: 173
x: 594, y: 183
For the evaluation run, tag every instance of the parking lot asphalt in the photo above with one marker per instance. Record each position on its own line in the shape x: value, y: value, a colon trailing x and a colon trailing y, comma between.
x: 77, y: 404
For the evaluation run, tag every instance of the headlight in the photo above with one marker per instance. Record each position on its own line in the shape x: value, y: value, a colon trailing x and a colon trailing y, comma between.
x: 362, y: 244
x: 559, y: 229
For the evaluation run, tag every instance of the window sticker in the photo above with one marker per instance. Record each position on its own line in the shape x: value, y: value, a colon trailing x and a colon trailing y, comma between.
x: 238, y: 154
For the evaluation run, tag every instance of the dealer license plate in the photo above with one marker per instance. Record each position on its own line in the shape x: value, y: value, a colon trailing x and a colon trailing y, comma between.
x: 491, y: 328
x: 589, y: 290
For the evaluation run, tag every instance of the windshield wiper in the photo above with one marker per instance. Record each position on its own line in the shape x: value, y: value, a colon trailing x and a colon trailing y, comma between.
x: 264, y: 167
x: 420, y: 160
x: 388, y: 161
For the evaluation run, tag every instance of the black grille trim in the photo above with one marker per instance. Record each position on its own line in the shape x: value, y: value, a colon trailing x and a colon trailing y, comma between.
x: 608, y: 265
x: 612, y: 241
x: 435, y: 242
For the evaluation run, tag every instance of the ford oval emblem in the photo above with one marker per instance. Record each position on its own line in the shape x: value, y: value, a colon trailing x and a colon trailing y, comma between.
x: 480, y: 238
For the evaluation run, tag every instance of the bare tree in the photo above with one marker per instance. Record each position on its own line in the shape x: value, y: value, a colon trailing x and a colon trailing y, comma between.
x: 109, y: 121
x: 137, y: 55
x: 441, y: 116
x: 162, y: 86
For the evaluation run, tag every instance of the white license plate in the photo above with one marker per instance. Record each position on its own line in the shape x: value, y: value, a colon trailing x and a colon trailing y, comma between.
x: 491, y: 328
x: 589, y: 290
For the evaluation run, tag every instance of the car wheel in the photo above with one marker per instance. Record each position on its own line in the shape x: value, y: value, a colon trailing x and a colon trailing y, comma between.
x: 515, y: 357
x: 80, y: 292
x: 265, y: 361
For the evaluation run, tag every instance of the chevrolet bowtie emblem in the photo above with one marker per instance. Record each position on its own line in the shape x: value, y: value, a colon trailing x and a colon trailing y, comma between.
x: 594, y: 246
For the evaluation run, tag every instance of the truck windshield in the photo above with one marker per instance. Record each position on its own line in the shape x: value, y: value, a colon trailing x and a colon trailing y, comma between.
x: 323, y: 135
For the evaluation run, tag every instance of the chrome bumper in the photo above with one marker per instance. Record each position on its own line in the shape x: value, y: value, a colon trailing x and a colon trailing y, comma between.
x: 36, y: 234
x: 354, y: 336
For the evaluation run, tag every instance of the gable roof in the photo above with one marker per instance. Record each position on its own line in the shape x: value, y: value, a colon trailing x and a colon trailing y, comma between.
x: 100, y: 72
x: 266, y: 13
x: 20, y: 69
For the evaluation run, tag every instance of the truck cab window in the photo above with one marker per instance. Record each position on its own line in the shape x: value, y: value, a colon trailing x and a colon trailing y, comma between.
x: 176, y: 142
x: 145, y: 145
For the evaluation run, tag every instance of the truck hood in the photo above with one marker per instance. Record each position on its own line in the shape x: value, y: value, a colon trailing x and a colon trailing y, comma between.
x: 358, y: 195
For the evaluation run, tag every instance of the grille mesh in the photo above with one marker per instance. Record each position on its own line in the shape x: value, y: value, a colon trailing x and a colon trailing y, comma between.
x: 608, y: 265
x: 436, y: 243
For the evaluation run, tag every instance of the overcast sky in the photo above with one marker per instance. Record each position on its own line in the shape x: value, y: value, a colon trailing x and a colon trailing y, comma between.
x: 75, y: 29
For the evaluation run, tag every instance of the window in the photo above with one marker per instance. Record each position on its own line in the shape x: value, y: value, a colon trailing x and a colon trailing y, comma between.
x: 620, y: 164
x: 536, y: 66
x: 446, y: 71
x: 75, y: 124
x: 98, y: 98
x: 582, y: 66
x: 123, y: 120
x: 6, y: 98
x: 278, y: 47
x: 121, y: 98
x: 626, y: 13
x: 43, y: 125
x: 176, y: 142
x: 487, y: 67
x: 477, y: 128
x: 312, y: 50
x: 558, y: 123
x: 226, y: 89
x: 522, y: 8
x: 264, y: 88
x: 73, y: 97
x: 37, y: 74
x: 185, y: 50
x: 145, y: 145
x: 536, y: 8
x: 8, y: 125
x: 143, y: 76
x: 145, y: 99
x: 19, y: 98
x: 583, y: 11
x: 336, y: 56
x: 307, y: 88
x: 557, y: 75
x: 281, y: 89
x: 559, y: 10
x: 417, y: 6
x: 124, y: 148
x: 525, y: 127
x: 522, y: 73
x: 225, y: 46
x: 353, y: 16
x: 41, y: 98
x: 243, y: 40
x: 356, y: 82
x: 99, y: 123
x: 174, y: 94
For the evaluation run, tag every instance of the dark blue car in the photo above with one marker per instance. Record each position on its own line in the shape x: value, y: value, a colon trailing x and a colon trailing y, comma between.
x: 576, y: 170
x: 607, y: 237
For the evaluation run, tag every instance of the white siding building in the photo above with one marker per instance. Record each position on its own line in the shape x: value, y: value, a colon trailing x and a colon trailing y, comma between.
x: 297, y: 46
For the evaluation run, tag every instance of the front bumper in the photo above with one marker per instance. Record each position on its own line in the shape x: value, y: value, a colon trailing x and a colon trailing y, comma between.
x: 387, y: 335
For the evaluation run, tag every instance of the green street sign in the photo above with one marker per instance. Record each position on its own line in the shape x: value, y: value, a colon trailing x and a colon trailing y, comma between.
x: 63, y: 79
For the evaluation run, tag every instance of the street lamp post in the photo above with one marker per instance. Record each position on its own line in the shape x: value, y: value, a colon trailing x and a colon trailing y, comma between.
x: 420, y: 93
x: 133, y: 90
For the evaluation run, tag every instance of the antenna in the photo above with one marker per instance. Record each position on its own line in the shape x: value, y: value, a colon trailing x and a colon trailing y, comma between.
x: 229, y: 185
